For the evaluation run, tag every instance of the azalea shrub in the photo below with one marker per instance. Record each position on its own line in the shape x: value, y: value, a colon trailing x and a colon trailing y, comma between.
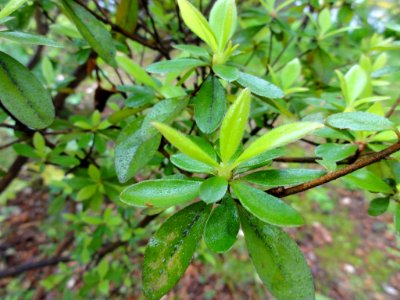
x: 183, y: 117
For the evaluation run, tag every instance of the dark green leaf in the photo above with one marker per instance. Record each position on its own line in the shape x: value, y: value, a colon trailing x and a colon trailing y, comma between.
x: 186, y: 163
x: 209, y: 105
x: 378, y: 206
x: 335, y: 152
x: 359, y: 121
x: 213, y: 189
x: 23, y: 95
x: 223, y: 226
x: 175, y: 65
x: 171, y: 249
x: 274, y: 178
x: 265, y: 206
x: 259, y: 86
x: 94, y: 32
x: 160, y: 192
x: 277, y: 259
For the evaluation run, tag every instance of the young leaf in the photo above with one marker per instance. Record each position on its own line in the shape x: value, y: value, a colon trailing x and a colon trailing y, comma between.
x: 290, y: 73
x: 274, y: 178
x: 23, y: 94
x: 265, y: 206
x: 23, y: 37
x: 356, y: 81
x: 197, y: 23
x: 184, y: 144
x: 278, y: 137
x: 171, y: 249
x: 359, y: 121
x: 277, y: 259
x: 175, y: 65
x: 11, y: 6
x: 259, y: 86
x: 213, y: 189
x: 222, y: 227
x: 160, y: 193
x: 184, y: 162
x: 94, y: 32
x: 378, y: 206
x: 223, y: 18
x: 233, y: 125
x: 209, y: 105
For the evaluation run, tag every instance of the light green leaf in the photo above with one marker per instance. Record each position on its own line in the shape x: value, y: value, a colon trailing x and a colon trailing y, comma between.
x: 234, y: 125
x: 160, y: 193
x: 186, y: 163
x: 359, y: 121
x: 227, y: 73
x: 277, y: 259
x: 213, y: 189
x: 223, y: 226
x: 86, y: 192
x: 175, y: 65
x: 259, y: 86
x: 23, y: 37
x: 94, y: 32
x: 192, y: 50
x: 197, y: 23
x: 223, y: 18
x: 266, y: 207
x: 367, y: 180
x: 23, y: 94
x: 171, y: 249
x: 356, y: 81
x: 136, y: 71
x: 290, y: 73
x: 278, y: 137
x: 209, y: 105
x: 335, y: 152
x: 11, y: 6
x: 275, y: 178
x: 38, y: 142
x: 184, y: 144
x: 324, y: 21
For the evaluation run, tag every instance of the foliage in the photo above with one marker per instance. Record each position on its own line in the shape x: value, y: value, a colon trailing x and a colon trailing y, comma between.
x: 133, y: 108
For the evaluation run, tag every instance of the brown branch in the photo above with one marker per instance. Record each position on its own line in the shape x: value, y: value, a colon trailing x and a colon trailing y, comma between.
x: 361, y: 163
x: 393, y: 108
x: 13, y: 172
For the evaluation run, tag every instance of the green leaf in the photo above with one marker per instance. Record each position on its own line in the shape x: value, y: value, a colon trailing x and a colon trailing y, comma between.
x: 197, y: 23
x: 127, y: 15
x: 23, y: 95
x: 274, y: 178
x: 23, y: 37
x: 94, y: 32
x: 335, y: 152
x: 25, y: 150
x: 186, y: 163
x: 86, y: 192
x: 38, y: 142
x: 94, y: 173
x: 223, y: 18
x: 222, y: 227
x: 378, y: 206
x: 266, y: 207
x: 171, y: 249
x: 184, y: 144
x: 260, y: 160
x: 139, y: 141
x: 397, y: 218
x: 259, y: 86
x: 367, y: 180
x: 290, y: 73
x: 359, y: 121
x: 278, y: 137
x: 175, y: 65
x: 160, y: 193
x: 11, y: 6
x: 277, y: 259
x: 213, y: 189
x: 234, y: 125
x: 136, y: 71
x: 324, y: 21
x: 209, y: 105
x: 227, y: 73
x: 356, y: 81
x: 139, y: 96
x: 192, y: 50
